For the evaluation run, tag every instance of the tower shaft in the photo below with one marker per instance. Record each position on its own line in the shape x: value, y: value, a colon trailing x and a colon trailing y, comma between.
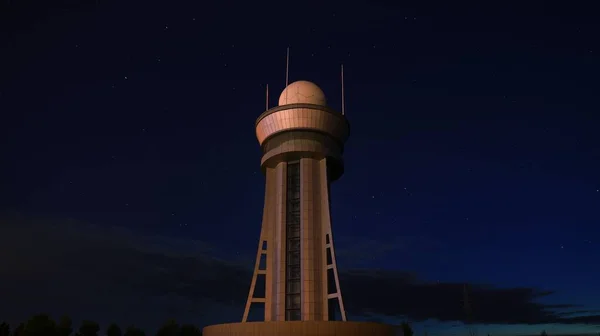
x: 296, y: 233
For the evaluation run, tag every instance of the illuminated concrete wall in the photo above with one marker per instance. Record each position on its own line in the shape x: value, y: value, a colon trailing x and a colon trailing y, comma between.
x: 309, y: 328
x: 302, y: 145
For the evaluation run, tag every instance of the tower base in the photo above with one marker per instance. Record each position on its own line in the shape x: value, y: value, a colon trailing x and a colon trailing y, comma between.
x: 300, y: 328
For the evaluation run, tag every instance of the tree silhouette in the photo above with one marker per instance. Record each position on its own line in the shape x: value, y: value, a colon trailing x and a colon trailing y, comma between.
x: 190, y: 330
x: 113, y: 330
x: 133, y: 331
x: 4, y: 329
x: 43, y: 325
x: 40, y: 325
x: 64, y: 327
x: 170, y: 328
x: 19, y: 330
x: 88, y: 328
x: 543, y: 333
x: 406, y: 329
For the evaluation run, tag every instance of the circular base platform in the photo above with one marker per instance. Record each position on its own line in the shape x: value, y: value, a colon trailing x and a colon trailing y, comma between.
x: 300, y: 328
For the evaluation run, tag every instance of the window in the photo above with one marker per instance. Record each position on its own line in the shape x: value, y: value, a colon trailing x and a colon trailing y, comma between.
x: 293, y: 287
x: 293, y: 315
x: 293, y: 300
x: 293, y: 244
x: 293, y: 272
x: 293, y: 231
x: 293, y: 258
x: 293, y: 207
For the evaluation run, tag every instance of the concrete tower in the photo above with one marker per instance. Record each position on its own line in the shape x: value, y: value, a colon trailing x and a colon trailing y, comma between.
x: 302, y: 142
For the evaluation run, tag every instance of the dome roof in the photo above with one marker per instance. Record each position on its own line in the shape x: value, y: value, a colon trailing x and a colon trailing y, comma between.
x: 302, y: 92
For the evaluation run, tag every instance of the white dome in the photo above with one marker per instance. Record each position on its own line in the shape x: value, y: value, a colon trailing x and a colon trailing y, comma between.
x: 302, y: 92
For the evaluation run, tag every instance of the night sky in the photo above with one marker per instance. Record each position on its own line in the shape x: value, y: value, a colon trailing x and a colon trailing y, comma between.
x: 130, y: 187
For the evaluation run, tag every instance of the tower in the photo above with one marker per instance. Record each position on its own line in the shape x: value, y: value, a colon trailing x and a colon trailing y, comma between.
x: 302, y: 141
x: 302, y: 144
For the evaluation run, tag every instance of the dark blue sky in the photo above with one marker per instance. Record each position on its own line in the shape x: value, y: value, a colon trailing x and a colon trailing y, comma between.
x: 128, y: 140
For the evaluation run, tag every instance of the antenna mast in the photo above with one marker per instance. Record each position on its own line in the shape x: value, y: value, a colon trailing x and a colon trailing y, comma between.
x: 287, y: 73
x: 267, y: 100
x: 343, y: 103
x: 467, y: 306
x: 287, y: 67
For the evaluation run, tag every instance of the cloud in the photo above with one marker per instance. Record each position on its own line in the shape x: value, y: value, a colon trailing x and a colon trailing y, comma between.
x: 109, y: 274
x: 400, y: 294
x: 114, y: 274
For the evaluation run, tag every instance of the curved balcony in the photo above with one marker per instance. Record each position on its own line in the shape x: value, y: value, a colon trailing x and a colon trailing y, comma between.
x: 302, y: 117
